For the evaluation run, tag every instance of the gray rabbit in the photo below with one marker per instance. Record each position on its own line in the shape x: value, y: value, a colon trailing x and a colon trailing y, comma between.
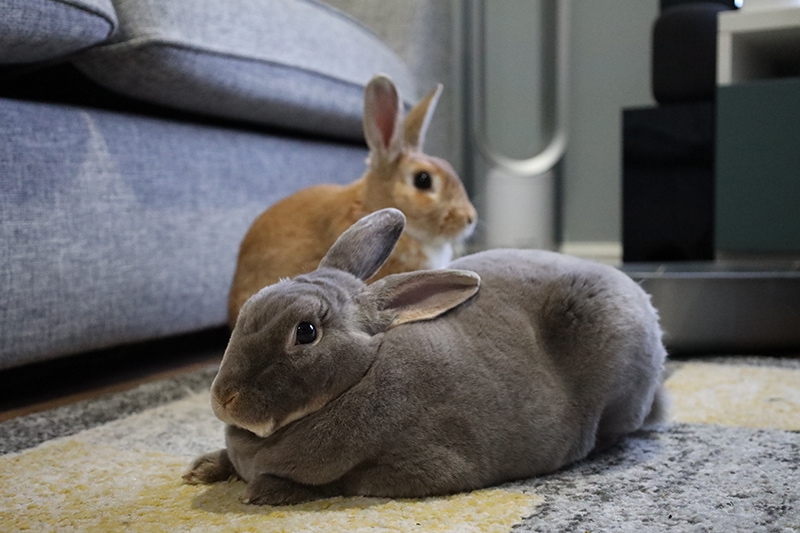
x: 511, y: 364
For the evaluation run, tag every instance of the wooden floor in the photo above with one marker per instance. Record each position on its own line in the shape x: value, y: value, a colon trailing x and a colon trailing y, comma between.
x: 41, y: 386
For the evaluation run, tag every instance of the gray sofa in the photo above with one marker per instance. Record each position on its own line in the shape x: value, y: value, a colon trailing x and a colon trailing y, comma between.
x: 140, y: 138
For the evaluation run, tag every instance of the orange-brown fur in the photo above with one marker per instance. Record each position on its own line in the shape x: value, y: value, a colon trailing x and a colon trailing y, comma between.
x: 293, y: 235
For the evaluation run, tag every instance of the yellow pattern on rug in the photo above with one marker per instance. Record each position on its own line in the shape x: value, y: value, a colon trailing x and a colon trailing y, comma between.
x: 93, y: 482
x: 736, y: 395
x: 69, y: 485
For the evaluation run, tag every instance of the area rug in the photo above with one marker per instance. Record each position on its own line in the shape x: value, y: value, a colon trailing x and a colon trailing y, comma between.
x: 729, y: 460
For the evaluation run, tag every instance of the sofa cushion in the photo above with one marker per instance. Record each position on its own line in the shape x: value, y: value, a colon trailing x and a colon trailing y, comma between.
x: 295, y: 64
x: 118, y: 228
x: 36, y: 30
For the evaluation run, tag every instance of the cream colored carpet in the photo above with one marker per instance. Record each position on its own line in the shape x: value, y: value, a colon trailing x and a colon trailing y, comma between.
x: 729, y: 461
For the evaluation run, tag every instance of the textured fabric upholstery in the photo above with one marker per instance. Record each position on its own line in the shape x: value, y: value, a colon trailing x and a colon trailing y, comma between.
x: 294, y: 64
x: 117, y: 228
x: 36, y: 30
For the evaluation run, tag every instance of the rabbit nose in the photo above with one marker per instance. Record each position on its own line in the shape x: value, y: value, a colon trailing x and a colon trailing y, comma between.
x: 232, y: 398
x: 470, y: 218
x: 226, y: 401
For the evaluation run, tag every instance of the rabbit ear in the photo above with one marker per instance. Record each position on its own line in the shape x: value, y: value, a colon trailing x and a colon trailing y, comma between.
x: 383, y: 117
x: 422, y: 295
x: 419, y: 118
x: 365, y: 246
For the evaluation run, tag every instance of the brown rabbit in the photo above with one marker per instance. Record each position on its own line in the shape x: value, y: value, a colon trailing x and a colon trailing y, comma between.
x: 293, y: 235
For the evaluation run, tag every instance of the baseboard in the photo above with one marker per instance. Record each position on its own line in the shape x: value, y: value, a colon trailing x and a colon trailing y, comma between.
x: 603, y: 252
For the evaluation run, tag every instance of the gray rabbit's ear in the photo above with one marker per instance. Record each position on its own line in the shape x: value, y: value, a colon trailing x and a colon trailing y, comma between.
x: 367, y: 244
x: 422, y: 295
x: 419, y: 118
x: 383, y: 118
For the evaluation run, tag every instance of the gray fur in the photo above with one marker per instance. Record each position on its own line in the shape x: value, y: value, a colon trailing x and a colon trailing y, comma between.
x: 513, y: 364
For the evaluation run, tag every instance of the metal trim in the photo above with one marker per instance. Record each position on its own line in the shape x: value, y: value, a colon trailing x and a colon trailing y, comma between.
x: 545, y: 160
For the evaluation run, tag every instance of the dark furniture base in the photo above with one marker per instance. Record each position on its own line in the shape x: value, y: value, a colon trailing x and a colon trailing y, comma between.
x: 725, y: 307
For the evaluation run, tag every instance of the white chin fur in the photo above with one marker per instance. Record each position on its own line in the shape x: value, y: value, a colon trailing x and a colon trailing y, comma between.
x: 440, y: 256
x: 264, y: 430
x: 271, y: 426
x: 439, y: 251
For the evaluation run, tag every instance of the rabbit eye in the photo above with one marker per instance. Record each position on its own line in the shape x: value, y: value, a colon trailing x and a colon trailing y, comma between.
x: 305, y: 333
x: 422, y: 181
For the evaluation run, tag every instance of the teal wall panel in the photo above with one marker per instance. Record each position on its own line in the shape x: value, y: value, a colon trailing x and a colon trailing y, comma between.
x: 758, y: 167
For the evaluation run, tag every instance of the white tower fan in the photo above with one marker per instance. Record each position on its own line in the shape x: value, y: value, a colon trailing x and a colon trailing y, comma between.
x: 517, y: 198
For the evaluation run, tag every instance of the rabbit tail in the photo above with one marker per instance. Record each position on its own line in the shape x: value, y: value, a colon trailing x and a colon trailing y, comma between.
x: 659, y: 409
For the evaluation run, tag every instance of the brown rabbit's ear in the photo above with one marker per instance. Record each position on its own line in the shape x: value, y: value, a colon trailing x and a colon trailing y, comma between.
x: 419, y: 118
x: 423, y: 294
x: 366, y: 245
x: 383, y: 117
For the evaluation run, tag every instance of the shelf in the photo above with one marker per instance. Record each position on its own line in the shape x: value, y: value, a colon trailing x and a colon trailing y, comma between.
x: 758, y: 44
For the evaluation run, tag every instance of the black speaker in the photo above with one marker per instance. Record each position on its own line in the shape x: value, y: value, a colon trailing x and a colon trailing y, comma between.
x: 684, y: 52
x: 668, y: 183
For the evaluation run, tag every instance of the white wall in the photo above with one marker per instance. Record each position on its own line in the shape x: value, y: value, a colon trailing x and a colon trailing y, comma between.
x: 611, y: 71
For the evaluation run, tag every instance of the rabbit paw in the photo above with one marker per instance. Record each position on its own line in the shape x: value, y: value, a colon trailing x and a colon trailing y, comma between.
x: 210, y: 468
x: 271, y: 490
